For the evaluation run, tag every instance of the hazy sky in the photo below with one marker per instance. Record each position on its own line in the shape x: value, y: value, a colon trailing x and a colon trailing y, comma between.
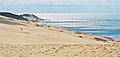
x: 61, y: 6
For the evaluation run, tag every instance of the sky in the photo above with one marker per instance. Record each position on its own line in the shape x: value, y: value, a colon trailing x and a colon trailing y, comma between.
x: 60, y: 6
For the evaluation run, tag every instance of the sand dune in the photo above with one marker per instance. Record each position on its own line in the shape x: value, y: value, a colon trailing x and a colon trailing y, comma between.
x: 22, y: 39
x: 11, y: 33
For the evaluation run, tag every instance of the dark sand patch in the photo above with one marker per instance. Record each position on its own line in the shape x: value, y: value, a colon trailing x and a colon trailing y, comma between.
x: 10, y: 23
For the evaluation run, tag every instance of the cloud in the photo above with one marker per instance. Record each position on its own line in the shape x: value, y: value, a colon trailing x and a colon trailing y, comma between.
x: 62, y: 2
x: 103, y: 6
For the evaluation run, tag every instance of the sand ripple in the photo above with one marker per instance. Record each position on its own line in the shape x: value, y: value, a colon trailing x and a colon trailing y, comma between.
x: 60, y: 50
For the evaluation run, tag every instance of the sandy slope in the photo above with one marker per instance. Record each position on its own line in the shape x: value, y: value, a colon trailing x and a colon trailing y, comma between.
x: 22, y: 39
x: 10, y: 32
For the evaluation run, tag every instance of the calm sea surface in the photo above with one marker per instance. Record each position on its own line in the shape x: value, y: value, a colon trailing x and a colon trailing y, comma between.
x: 103, y: 24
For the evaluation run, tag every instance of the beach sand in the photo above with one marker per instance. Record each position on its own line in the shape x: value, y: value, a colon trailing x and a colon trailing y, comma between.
x: 60, y: 50
x: 23, y: 39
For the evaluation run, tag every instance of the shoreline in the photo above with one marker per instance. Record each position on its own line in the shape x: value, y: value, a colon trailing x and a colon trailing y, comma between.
x: 78, y: 31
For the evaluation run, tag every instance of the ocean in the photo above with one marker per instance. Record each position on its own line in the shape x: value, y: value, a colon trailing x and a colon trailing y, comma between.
x: 103, y: 24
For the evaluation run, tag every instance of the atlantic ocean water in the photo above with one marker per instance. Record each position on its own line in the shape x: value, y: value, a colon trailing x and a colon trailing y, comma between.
x: 103, y: 24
